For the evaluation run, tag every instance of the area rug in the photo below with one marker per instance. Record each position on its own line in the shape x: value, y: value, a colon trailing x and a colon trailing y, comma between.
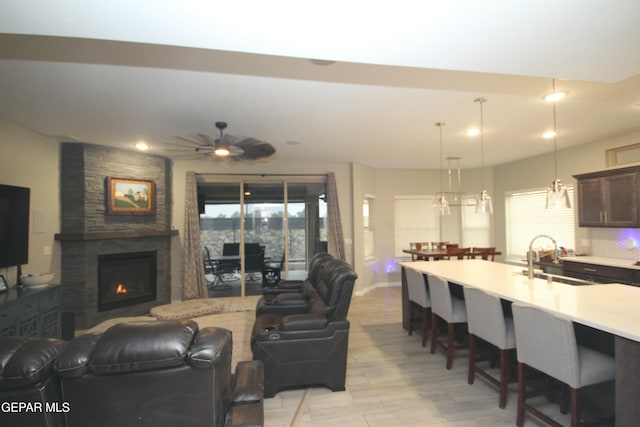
x: 202, y: 307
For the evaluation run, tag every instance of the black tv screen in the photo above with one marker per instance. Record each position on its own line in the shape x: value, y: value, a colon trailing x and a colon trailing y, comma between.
x: 14, y: 225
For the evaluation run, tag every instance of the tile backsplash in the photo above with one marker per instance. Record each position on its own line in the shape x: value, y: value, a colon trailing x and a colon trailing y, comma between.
x: 621, y: 243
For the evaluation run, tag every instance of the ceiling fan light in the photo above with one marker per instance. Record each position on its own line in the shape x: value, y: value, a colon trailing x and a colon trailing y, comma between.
x: 221, y: 151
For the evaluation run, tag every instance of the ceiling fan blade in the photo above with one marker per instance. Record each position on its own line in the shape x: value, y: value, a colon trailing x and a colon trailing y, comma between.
x: 208, y: 139
x: 255, y: 149
x: 241, y: 148
x: 192, y: 142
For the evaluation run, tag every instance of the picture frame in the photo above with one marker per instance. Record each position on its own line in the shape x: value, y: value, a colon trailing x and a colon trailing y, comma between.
x: 3, y: 284
x: 127, y: 196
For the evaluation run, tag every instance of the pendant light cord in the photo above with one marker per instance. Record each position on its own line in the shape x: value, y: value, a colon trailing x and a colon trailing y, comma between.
x: 555, y: 136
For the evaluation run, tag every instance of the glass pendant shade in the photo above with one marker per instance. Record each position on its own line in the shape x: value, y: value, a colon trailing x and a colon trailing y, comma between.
x: 557, y: 196
x: 483, y: 203
x: 441, y: 203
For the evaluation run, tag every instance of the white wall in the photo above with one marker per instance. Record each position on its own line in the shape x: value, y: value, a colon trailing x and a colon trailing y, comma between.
x: 31, y: 160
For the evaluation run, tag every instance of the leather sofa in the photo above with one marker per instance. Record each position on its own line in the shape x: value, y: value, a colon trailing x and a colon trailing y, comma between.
x: 29, y: 392
x: 163, y: 373
x: 308, y: 348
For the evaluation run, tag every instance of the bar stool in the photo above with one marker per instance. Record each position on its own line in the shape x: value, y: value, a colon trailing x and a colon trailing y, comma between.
x: 418, y: 294
x: 450, y: 309
x: 546, y: 341
x: 486, y: 320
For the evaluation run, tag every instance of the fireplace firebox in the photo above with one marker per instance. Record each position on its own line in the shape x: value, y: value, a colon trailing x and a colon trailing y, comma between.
x: 126, y: 279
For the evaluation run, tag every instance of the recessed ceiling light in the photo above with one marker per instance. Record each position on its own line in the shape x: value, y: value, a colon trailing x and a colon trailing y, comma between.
x: 142, y: 146
x: 555, y: 96
x: 473, y: 132
x: 293, y: 142
x: 321, y: 62
x: 550, y: 134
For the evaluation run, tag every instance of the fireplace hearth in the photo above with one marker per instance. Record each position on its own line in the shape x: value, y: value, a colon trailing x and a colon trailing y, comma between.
x: 126, y: 279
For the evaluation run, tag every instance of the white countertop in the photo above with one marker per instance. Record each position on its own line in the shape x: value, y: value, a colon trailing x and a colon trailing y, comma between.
x: 611, y: 262
x: 613, y: 308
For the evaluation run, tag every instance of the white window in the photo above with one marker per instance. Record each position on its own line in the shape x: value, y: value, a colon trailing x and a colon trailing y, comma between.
x: 415, y: 220
x: 476, y: 228
x: 526, y: 217
x: 367, y: 223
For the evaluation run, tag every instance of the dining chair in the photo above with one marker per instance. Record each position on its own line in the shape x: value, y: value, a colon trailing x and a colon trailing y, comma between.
x: 418, y: 246
x: 546, y: 342
x: 439, y: 245
x: 419, y: 295
x: 458, y: 253
x: 483, y: 253
x: 450, y: 309
x: 486, y: 320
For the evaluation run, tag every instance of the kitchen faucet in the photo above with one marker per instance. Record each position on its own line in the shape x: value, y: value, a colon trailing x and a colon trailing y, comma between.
x: 530, y: 255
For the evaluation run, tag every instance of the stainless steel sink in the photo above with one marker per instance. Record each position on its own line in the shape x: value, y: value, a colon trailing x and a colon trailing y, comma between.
x: 560, y: 279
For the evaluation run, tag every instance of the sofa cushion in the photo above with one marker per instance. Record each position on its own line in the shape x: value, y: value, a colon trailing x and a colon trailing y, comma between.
x: 143, y: 346
x: 25, y: 361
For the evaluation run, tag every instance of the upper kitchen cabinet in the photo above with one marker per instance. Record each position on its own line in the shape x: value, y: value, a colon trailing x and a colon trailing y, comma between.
x: 609, y: 198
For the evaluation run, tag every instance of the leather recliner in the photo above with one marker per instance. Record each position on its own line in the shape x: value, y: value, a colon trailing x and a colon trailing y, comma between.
x: 308, y: 349
x: 29, y: 392
x: 163, y: 373
x: 292, y: 296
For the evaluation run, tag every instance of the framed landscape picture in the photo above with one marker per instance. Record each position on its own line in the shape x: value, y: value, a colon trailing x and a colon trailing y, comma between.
x: 127, y: 196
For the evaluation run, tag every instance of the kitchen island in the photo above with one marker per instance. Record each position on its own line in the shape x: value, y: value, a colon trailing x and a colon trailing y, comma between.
x: 612, y: 308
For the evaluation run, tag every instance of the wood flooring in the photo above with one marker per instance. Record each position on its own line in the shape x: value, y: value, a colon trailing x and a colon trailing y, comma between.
x: 391, y: 380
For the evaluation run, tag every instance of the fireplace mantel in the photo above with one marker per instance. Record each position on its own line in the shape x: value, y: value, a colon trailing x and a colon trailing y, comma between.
x: 106, y: 235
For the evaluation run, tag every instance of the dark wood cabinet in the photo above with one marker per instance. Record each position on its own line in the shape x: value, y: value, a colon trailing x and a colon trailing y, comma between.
x: 601, y: 273
x: 609, y: 198
x: 31, y: 312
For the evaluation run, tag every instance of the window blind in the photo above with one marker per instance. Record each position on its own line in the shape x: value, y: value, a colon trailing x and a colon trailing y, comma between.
x: 526, y: 217
x: 415, y: 220
x: 475, y: 228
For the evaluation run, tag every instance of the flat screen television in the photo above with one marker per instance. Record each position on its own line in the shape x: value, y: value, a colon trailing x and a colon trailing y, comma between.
x: 14, y: 225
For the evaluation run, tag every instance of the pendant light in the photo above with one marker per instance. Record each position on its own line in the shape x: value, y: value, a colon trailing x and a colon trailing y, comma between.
x: 557, y: 195
x: 483, y: 200
x: 440, y: 201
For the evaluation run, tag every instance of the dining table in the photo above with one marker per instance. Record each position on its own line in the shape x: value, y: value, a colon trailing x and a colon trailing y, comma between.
x: 440, y: 253
x: 609, y: 308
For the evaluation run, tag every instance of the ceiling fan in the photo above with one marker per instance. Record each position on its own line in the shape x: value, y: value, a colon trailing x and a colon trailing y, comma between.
x: 221, y: 148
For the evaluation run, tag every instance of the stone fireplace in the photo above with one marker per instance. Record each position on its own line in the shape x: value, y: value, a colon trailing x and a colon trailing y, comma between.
x: 91, y: 240
x: 126, y: 279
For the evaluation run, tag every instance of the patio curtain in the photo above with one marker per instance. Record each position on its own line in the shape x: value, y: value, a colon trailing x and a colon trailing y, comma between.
x: 333, y: 212
x: 194, y: 284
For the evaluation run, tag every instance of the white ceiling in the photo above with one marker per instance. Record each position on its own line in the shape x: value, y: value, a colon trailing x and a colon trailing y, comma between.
x: 117, y: 72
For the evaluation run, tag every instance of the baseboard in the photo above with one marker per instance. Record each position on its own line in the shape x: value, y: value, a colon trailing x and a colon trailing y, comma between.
x: 369, y: 288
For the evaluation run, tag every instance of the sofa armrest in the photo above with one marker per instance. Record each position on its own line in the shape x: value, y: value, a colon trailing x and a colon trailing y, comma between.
x: 303, y: 322
x: 250, y: 415
x: 248, y: 386
x: 208, y: 346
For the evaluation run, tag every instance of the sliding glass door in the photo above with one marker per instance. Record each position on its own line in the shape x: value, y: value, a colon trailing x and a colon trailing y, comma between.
x: 252, y: 229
